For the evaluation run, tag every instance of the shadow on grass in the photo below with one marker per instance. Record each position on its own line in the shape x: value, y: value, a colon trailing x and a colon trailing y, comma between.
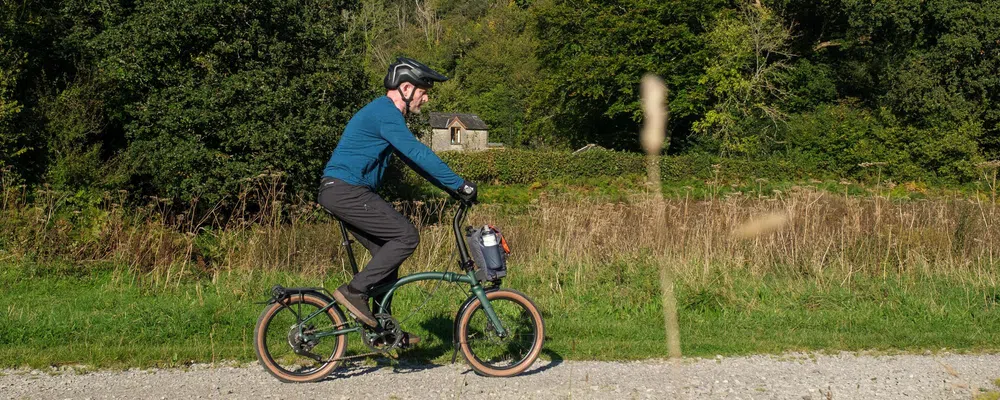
x: 441, y: 328
x: 420, y: 358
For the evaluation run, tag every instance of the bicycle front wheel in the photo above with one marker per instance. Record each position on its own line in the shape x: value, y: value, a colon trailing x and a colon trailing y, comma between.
x: 492, y: 355
x: 282, y: 348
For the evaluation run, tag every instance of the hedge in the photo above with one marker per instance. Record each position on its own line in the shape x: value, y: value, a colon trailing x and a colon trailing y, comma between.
x: 510, y: 166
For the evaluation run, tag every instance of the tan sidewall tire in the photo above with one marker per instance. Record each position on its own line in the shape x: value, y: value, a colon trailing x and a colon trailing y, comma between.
x: 539, y: 339
x: 259, y: 332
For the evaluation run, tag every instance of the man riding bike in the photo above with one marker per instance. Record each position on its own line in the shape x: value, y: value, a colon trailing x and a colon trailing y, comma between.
x: 354, y: 173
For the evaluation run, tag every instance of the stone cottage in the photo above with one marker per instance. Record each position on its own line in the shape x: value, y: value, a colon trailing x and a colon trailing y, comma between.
x: 457, y: 131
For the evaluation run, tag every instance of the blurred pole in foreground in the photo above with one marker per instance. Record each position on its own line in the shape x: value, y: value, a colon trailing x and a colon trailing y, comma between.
x: 654, y: 97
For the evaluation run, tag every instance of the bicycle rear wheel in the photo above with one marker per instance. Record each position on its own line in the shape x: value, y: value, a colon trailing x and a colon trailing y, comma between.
x: 488, y: 353
x: 284, y: 353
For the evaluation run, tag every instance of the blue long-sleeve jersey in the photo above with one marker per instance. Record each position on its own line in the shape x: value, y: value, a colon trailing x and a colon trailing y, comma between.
x: 366, y: 147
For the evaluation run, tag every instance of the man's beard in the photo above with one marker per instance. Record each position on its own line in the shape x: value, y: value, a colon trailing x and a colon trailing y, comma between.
x: 413, y: 118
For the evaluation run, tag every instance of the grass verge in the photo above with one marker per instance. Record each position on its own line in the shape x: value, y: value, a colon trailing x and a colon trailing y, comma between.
x: 105, y: 316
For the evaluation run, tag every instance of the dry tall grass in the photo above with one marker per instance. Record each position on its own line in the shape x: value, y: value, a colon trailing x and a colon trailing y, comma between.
x: 828, y: 237
x: 825, y: 235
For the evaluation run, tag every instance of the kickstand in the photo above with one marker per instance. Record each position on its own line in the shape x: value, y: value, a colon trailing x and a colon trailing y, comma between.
x: 454, y: 353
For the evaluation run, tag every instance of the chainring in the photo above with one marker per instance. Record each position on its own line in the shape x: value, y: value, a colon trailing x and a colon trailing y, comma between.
x: 384, y: 338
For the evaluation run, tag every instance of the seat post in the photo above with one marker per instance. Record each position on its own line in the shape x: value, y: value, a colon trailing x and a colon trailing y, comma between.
x: 347, y: 245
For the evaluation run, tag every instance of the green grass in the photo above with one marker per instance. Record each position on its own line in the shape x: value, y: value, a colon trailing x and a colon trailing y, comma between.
x: 991, y: 395
x: 100, y: 315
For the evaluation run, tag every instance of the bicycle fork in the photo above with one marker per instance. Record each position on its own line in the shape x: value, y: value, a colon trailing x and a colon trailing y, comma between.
x: 478, y: 293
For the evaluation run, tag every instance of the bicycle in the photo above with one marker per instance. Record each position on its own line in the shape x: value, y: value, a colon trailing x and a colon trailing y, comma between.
x: 301, y: 336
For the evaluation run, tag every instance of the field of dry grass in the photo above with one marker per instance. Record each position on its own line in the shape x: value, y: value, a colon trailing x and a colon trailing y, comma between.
x: 818, y: 234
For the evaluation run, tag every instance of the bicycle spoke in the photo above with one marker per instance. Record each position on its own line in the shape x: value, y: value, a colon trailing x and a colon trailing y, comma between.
x: 501, y: 352
x: 286, y: 338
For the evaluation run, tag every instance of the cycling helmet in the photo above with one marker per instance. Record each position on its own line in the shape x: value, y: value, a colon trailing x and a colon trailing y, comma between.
x: 408, y: 70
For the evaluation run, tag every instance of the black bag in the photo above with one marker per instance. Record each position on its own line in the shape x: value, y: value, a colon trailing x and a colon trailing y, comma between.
x: 489, y: 251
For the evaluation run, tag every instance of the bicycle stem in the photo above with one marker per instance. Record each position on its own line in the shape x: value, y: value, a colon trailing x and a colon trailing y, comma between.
x: 463, y: 252
x: 466, y: 265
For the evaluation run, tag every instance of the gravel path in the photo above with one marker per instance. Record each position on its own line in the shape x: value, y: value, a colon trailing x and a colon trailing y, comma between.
x: 796, y: 376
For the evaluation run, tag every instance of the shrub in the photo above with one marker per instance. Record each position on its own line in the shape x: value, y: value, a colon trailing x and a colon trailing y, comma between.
x: 841, y: 138
x: 216, y: 92
x: 525, y: 166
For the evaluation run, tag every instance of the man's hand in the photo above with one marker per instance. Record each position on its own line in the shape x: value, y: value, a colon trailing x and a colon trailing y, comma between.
x: 468, y: 192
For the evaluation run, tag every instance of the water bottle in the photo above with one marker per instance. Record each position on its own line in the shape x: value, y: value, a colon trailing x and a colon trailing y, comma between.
x: 491, y: 251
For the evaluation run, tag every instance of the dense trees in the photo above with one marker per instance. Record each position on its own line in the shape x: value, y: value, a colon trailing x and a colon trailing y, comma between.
x: 178, y: 98
x: 187, y: 98
x: 748, y: 78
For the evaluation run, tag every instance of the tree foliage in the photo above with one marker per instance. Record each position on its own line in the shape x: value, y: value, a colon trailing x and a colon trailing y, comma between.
x: 932, y: 64
x: 750, y: 52
x: 12, y: 140
x: 187, y: 99
x: 595, y: 53
x: 487, y: 48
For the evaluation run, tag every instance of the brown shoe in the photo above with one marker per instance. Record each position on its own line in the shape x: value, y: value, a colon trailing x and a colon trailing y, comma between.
x: 356, y: 304
x: 409, y: 339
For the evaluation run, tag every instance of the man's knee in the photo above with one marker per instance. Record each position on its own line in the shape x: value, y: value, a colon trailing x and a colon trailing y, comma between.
x: 410, y: 238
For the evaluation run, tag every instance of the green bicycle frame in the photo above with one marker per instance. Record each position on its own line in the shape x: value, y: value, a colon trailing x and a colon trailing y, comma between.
x: 468, y: 277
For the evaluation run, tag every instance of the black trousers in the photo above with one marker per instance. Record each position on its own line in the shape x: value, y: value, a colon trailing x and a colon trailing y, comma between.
x: 387, y: 234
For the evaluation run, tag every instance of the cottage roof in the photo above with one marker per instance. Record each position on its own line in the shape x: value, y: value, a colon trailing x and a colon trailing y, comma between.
x: 442, y: 120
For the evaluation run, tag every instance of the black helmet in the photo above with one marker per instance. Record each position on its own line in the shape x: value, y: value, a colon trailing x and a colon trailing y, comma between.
x: 408, y: 70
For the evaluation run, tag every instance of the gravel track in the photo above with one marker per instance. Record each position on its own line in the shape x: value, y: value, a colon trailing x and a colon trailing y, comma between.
x: 793, y: 376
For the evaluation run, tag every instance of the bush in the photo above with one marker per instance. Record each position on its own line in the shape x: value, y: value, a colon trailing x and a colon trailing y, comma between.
x: 501, y: 167
x: 212, y: 93
x: 525, y: 166
x: 841, y: 138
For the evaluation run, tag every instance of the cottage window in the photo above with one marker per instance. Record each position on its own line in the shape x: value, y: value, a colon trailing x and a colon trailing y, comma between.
x: 456, y: 135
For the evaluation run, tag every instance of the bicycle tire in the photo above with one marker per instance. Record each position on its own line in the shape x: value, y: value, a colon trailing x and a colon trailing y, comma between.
x: 525, y: 331
x: 267, y: 338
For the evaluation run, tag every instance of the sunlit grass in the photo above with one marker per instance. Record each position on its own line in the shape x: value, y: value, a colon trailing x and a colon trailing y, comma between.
x: 103, y: 319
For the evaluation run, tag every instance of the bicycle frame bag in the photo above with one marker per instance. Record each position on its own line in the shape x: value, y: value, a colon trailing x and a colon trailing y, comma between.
x: 489, y: 251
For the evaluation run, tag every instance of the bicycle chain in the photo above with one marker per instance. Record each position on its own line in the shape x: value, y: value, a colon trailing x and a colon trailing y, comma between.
x: 362, y: 355
x: 387, y: 354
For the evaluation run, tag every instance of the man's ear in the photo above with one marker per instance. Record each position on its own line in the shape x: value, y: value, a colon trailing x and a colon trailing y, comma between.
x: 406, y: 88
